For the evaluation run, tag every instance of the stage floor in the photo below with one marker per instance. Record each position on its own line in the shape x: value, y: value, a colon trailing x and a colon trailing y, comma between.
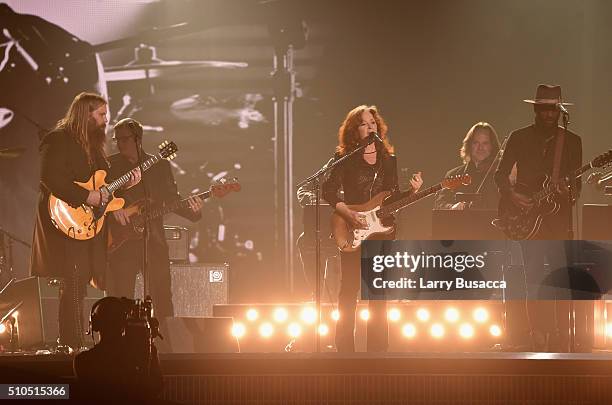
x: 367, y: 378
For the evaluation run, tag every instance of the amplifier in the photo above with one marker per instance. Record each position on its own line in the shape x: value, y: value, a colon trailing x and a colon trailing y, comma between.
x: 177, y: 238
x: 196, y: 288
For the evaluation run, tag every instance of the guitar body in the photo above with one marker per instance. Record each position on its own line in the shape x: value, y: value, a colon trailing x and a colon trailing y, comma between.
x: 84, y: 222
x: 349, y: 239
x: 520, y: 223
x: 119, y: 234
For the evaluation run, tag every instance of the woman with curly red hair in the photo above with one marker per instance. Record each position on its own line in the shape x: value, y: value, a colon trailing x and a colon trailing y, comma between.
x: 361, y: 177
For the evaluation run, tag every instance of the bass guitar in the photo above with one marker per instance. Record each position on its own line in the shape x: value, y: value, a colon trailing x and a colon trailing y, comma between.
x: 379, y: 211
x: 519, y: 223
x: 85, y: 222
x: 119, y: 234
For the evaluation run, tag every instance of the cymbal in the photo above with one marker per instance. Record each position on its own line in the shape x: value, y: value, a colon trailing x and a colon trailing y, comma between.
x: 165, y: 64
x: 10, y: 153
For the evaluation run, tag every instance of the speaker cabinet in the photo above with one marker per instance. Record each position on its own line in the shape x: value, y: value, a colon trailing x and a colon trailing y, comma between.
x: 196, y: 287
x: 201, y: 335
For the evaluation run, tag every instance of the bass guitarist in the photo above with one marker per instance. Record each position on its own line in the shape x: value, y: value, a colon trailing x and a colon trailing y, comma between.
x: 69, y: 153
x: 361, y: 177
x: 539, y: 150
x: 126, y: 261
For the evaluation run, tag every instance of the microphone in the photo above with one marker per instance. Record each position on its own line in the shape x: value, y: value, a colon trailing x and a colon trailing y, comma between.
x: 562, y: 108
x: 375, y: 137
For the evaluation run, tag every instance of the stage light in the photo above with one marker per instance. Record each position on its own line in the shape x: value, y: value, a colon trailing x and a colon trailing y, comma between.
x: 266, y: 329
x: 252, y: 314
x: 2, y: 328
x: 309, y: 315
x: 609, y: 330
x: 423, y: 314
x: 466, y: 331
x: 394, y: 315
x: 451, y: 315
x: 335, y: 315
x: 364, y: 314
x: 437, y: 330
x: 280, y: 315
x: 409, y: 330
x: 481, y: 315
x: 323, y: 329
x: 495, y: 330
x: 238, y: 330
x: 294, y: 329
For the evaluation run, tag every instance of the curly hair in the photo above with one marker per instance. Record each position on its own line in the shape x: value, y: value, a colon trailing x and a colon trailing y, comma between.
x: 464, y: 152
x: 348, y: 134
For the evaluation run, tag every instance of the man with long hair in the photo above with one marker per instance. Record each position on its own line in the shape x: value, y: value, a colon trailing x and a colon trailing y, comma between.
x: 478, y: 152
x: 361, y: 177
x: 71, y: 152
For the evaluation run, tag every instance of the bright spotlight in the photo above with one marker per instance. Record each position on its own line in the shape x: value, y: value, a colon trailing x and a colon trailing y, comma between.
x: 266, y: 330
x: 252, y: 314
x: 423, y: 315
x: 394, y: 315
x: 495, y: 330
x: 466, y: 331
x: 280, y: 315
x: 409, y: 330
x: 481, y: 315
x: 238, y: 330
x: 609, y: 330
x: 335, y: 314
x: 2, y: 328
x: 437, y: 330
x: 309, y: 315
x: 364, y: 314
x: 451, y: 315
x: 323, y: 329
x: 294, y: 329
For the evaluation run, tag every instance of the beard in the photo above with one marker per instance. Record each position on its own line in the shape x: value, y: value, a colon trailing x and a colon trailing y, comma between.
x: 96, y: 135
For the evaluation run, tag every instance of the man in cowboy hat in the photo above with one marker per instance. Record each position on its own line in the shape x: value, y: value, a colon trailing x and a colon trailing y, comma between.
x: 539, y: 150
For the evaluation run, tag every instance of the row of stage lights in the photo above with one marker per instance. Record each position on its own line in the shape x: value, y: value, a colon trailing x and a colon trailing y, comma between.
x: 308, y: 316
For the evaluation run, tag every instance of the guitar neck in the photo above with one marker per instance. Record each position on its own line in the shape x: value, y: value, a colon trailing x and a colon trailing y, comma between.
x: 121, y: 181
x: 164, y: 209
x: 389, y: 209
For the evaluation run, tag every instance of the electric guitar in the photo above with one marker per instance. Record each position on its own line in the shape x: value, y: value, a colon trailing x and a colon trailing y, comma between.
x: 85, y: 222
x: 118, y: 234
x: 519, y: 223
x: 381, y: 208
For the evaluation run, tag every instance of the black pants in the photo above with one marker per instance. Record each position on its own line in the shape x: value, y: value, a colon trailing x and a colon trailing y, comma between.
x: 71, y: 295
x: 377, y: 327
x: 126, y: 262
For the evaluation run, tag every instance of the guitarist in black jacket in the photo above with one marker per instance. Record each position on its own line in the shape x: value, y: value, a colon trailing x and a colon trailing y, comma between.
x: 534, y: 149
x: 126, y: 261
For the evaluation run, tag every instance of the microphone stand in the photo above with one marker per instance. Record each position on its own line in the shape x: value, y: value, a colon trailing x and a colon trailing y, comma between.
x: 315, y: 179
x: 145, y: 232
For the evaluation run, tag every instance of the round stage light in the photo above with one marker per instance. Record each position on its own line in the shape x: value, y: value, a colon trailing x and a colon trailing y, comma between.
x: 364, y: 314
x: 280, y: 315
x: 437, y: 330
x: 2, y: 328
x: 335, y: 315
x: 309, y: 315
x: 423, y: 314
x: 481, y: 315
x: 451, y: 315
x: 409, y: 330
x: 266, y: 329
x: 323, y: 329
x: 238, y: 330
x: 252, y: 314
x: 294, y: 329
x: 394, y: 314
x: 466, y: 331
x: 495, y: 330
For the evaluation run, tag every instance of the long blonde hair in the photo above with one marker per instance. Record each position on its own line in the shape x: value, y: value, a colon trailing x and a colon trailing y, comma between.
x: 75, y: 123
x: 464, y: 152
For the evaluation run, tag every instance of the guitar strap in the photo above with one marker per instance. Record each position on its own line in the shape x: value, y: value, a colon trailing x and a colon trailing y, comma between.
x: 558, y: 155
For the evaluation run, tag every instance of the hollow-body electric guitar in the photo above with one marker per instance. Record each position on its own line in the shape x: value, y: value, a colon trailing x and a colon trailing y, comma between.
x: 118, y: 234
x: 524, y: 223
x: 85, y: 222
x: 381, y: 208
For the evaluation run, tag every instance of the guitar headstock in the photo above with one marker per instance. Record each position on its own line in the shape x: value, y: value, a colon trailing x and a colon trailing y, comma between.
x: 602, y: 160
x: 168, y: 150
x: 224, y: 187
x: 454, y: 182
